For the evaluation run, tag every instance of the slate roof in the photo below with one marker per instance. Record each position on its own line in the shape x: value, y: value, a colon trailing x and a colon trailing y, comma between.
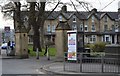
x: 113, y: 15
x: 83, y: 14
x: 79, y: 14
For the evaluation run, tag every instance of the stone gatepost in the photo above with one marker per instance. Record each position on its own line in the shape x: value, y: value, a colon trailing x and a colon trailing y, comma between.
x: 21, y: 43
x: 61, y: 39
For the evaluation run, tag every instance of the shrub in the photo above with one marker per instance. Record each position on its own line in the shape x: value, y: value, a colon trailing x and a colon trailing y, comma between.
x: 98, y: 47
x: 89, y: 45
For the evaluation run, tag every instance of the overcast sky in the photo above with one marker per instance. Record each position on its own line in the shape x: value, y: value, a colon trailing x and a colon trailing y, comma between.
x: 101, y: 5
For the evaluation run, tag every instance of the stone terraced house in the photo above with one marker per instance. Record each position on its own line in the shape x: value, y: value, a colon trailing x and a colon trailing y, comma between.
x: 97, y: 25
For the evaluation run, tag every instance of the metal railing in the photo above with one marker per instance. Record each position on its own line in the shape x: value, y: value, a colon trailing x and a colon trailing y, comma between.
x: 95, y: 62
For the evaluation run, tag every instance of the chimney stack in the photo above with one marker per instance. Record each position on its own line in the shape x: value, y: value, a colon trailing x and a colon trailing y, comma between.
x: 64, y: 9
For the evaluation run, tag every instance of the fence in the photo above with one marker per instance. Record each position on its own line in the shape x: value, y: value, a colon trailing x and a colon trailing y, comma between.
x: 95, y: 62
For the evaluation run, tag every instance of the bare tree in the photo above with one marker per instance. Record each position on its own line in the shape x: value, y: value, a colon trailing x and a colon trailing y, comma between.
x: 36, y: 19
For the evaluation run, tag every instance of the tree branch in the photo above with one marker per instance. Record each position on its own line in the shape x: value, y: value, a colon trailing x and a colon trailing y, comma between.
x: 75, y: 8
x: 53, y: 10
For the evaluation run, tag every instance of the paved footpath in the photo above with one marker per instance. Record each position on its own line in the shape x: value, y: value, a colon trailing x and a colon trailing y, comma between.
x: 57, y: 68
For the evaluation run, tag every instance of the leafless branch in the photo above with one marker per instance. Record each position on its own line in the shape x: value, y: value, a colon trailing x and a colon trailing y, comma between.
x: 75, y: 8
x: 53, y: 9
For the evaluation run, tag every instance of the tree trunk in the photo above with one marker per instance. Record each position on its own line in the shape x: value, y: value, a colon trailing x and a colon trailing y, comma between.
x: 36, y: 39
x: 42, y: 36
x: 34, y: 23
x: 40, y: 22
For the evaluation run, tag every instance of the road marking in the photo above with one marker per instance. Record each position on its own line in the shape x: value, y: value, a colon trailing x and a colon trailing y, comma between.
x: 39, y: 71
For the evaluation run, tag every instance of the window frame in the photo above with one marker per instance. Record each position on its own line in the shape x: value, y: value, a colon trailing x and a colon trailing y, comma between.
x: 86, y: 26
x: 93, y: 38
x: 53, y: 28
x: 74, y: 27
x: 48, y: 28
x: 81, y: 27
x: 74, y: 18
x: 60, y: 18
x: 105, y: 18
x: 105, y: 28
x: 93, y: 18
x: 93, y: 29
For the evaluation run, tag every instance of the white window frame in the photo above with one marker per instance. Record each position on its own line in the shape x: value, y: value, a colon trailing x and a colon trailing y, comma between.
x: 105, y: 29
x: 116, y: 28
x: 74, y: 27
x: 105, y: 18
x: 113, y: 27
x: 48, y: 28
x: 53, y: 28
x: 85, y: 29
x: 93, y: 18
x: 74, y: 18
x: 81, y: 27
x: 60, y: 18
x: 92, y: 28
x: 92, y: 37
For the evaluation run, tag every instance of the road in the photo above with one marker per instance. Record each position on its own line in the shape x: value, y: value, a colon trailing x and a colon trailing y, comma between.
x: 22, y: 66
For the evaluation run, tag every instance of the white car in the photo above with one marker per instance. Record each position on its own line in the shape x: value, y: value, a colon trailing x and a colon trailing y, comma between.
x: 4, y: 46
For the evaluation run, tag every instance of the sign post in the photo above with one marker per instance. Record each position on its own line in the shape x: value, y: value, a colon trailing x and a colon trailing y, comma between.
x: 7, y: 33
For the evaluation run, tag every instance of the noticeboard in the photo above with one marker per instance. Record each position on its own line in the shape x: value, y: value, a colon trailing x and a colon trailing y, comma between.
x: 72, y: 45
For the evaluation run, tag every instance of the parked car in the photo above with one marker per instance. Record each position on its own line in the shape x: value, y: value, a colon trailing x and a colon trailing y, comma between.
x: 4, y: 46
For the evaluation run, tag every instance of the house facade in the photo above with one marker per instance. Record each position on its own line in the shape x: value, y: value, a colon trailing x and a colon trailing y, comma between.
x: 97, y: 26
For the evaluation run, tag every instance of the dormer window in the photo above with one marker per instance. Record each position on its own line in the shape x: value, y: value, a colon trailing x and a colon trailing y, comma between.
x: 81, y: 27
x: 74, y: 18
x: 60, y: 18
x: 105, y: 18
x: 93, y: 18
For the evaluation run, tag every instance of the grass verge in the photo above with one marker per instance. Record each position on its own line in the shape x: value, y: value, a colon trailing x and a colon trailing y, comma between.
x: 52, y: 51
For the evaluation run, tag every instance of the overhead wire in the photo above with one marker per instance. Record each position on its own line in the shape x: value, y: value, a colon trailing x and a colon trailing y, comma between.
x: 107, y: 5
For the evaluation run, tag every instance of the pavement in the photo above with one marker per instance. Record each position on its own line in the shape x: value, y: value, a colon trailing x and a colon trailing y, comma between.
x: 53, y: 66
x: 57, y: 68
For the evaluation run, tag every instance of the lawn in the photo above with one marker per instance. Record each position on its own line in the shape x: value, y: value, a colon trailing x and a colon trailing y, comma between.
x: 52, y: 51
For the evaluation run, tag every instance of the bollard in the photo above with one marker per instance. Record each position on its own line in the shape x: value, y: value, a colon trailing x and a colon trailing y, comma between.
x: 48, y: 57
x: 81, y: 58
x: 37, y: 53
x: 102, y: 63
